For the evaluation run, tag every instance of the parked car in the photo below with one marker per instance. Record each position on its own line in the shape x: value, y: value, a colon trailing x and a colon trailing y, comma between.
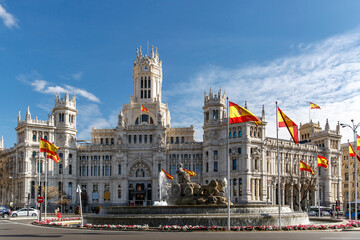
x: 5, y: 211
x: 23, y: 212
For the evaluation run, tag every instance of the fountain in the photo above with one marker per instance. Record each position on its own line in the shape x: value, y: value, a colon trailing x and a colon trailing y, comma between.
x: 187, y: 203
x: 162, y: 190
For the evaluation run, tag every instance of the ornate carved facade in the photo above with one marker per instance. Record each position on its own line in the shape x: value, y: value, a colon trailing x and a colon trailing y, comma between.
x: 120, y: 166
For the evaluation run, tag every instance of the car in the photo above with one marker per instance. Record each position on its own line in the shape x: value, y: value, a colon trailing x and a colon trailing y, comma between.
x: 23, y: 212
x: 5, y: 211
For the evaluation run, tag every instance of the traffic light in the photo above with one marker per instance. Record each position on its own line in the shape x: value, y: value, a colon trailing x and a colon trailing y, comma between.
x: 39, y: 191
x: 337, y: 203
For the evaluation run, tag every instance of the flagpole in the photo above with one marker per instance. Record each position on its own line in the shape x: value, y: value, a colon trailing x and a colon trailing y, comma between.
x: 39, y: 191
x: 349, y: 204
x: 278, y: 163
x: 46, y: 165
x: 318, y: 183
x: 299, y: 188
x: 228, y: 163
x: 309, y: 112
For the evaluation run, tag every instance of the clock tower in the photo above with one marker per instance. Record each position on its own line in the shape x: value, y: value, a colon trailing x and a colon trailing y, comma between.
x: 147, y: 77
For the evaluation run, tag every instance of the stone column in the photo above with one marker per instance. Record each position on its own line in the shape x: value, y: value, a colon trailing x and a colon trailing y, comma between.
x: 292, y: 196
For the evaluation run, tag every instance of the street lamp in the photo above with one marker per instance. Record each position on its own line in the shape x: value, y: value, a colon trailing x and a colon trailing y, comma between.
x: 353, y: 128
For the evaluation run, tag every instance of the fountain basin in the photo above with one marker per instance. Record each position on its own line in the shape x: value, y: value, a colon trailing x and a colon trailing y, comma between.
x: 205, y: 215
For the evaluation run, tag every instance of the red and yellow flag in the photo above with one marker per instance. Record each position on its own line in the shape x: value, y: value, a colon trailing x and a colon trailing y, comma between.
x: 322, y: 162
x: 314, y: 106
x: 284, y: 121
x: 50, y: 150
x: 144, y: 109
x: 305, y: 167
x: 167, y: 174
x: 191, y: 173
x: 351, y: 151
x: 358, y: 142
x: 239, y: 114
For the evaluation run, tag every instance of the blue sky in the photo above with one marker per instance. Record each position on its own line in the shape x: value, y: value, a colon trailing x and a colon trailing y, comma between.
x: 292, y: 52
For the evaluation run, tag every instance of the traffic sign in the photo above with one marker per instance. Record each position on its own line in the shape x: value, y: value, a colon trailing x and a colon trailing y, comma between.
x: 40, y: 199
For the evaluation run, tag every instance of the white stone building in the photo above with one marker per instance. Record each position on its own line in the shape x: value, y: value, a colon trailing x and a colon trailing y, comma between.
x: 121, y: 165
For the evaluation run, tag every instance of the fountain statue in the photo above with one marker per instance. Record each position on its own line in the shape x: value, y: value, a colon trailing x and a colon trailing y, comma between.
x: 185, y: 192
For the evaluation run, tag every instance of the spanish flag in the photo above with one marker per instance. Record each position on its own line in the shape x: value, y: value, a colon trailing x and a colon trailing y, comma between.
x: 351, y: 151
x: 358, y: 142
x: 50, y: 150
x: 191, y: 173
x: 305, y: 167
x: 239, y: 114
x: 284, y: 121
x: 144, y: 109
x: 314, y: 106
x: 322, y: 162
x: 167, y: 174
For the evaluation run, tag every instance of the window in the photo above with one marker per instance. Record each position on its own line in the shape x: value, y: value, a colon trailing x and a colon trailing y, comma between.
x: 142, y: 83
x: 140, y: 173
x: 96, y: 171
x: 215, y: 114
x: 107, y: 171
x: 142, y: 94
x: 234, y: 164
x: 145, y: 138
x: 70, y: 190
x: 119, y: 169
x: 83, y: 171
x: 60, y: 168
x: 33, y: 154
x: 215, y: 166
x: 107, y: 141
x: 159, y: 167
x: 149, y: 81
x: 177, y: 140
x: 34, y: 138
x: 216, y: 154
x: 172, y: 140
x: 46, y: 137
x: 207, y: 116
x: 230, y: 150
x: 145, y: 83
x: 229, y: 134
x: 234, y: 134
x: 134, y: 138
x: 119, y: 191
x: 182, y: 140
x: 149, y: 94
x: 207, y: 167
x: 140, y: 138
x: 240, y: 187
x: 101, y: 141
x: 150, y: 138
x: 240, y: 133
x: 239, y: 150
x: 129, y: 138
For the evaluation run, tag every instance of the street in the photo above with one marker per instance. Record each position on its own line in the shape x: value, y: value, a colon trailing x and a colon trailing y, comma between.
x: 20, y: 229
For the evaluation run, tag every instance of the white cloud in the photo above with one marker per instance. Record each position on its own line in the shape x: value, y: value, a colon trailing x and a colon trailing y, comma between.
x: 326, y: 72
x: 45, y: 87
x: 8, y: 19
x: 77, y: 76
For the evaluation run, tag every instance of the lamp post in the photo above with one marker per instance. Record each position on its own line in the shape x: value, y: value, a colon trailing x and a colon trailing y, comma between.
x: 353, y: 128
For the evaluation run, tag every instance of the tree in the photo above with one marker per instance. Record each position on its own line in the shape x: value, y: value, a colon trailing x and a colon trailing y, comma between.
x: 308, y: 185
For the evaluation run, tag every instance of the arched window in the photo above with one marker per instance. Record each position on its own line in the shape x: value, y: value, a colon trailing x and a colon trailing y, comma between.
x: 235, y: 134
x: 34, y: 137
x: 144, y: 119
x: 140, y: 173
x: 119, y: 169
x: 230, y: 134
x: 33, y: 154
x: 240, y: 133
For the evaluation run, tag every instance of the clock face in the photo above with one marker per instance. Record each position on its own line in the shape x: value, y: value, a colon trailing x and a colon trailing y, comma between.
x: 145, y: 68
